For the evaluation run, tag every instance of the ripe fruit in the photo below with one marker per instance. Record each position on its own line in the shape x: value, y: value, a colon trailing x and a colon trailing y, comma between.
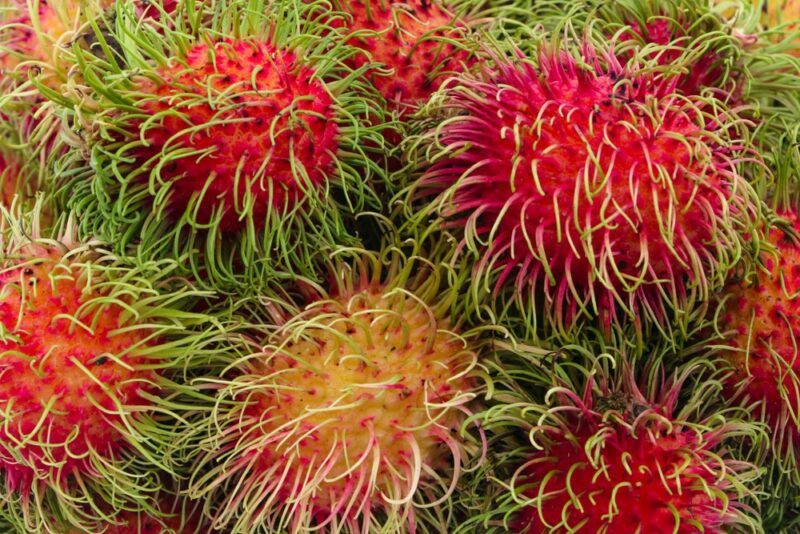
x: 244, y: 142
x: 417, y: 41
x: 84, y: 340
x: 347, y: 416
x: 762, y: 319
x: 244, y: 159
x: 575, y: 176
x: 615, y: 450
x: 64, y: 371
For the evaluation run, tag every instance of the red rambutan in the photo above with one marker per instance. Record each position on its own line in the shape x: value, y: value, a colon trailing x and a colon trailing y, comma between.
x: 346, y: 417
x: 608, y: 453
x: 64, y: 372
x: 249, y: 143
x: 417, y: 41
x: 762, y: 319
x: 574, y: 175
x: 282, y: 119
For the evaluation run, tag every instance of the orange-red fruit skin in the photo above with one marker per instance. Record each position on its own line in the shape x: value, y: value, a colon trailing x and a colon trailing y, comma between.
x: 45, y: 361
x: 764, y: 318
x: 410, y: 40
x: 275, y: 117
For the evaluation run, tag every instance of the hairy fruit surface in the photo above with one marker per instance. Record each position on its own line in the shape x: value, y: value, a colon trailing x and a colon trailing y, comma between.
x: 269, y: 142
x: 579, y: 180
x: 66, y: 370
x: 762, y: 316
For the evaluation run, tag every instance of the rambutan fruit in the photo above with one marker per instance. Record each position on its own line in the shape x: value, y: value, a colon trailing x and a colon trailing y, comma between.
x: 347, y: 415
x: 411, y: 47
x: 577, y: 190
x: 170, y: 515
x: 245, y: 142
x: 760, y: 316
x: 34, y: 34
x: 84, y: 340
x: 606, y: 447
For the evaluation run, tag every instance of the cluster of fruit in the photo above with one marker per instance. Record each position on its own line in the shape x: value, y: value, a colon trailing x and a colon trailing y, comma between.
x: 369, y: 266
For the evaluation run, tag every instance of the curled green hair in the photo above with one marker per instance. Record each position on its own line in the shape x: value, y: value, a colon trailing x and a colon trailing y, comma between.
x: 89, y: 446
x: 298, y: 436
x: 150, y: 78
x: 567, y: 429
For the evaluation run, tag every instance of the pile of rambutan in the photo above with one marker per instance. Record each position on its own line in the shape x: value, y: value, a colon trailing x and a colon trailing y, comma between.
x: 366, y: 266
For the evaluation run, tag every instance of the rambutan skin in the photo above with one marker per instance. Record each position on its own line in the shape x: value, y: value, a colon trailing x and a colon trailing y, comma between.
x: 622, y: 489
x: 614, y: 449
x: 282, y: 120
x: 87, y: 343
x: 417, y: 40
x: 621, y: 203
x: 347, y: 417
x: 64, y: 372
x: 249, y: 151
x: 761, y: 319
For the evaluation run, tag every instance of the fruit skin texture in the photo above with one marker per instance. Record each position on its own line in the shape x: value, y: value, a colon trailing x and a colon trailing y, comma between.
x: 676, y: 43
x: 86, y: 341
x: 348, y: 416
x: 56, y: 373
x: 647, y: 504
x: 581, y: 181
x: 617, y: 450
x: 411, y: 39
x: 249, y: 177
x: 282, y: 120
x: 762, y: 317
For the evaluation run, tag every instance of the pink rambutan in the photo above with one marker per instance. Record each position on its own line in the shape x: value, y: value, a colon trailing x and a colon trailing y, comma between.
x: 417, y: 41
x: 610, y: 451
x: 589, y: 181
x: 761, y: 316
x: 347, y: 416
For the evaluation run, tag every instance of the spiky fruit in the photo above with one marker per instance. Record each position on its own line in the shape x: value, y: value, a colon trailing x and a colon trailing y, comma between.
x: 284, y: 118
x: 615, y: 450
x: 34, y: 35
x: 762, y: 317
x: 83, y: 339
x: 346, y: 418
x: 573, y: 176
x: 417, y: 42
x: 64, y: 371
x: 247, y: 144
x: 169, y: 516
